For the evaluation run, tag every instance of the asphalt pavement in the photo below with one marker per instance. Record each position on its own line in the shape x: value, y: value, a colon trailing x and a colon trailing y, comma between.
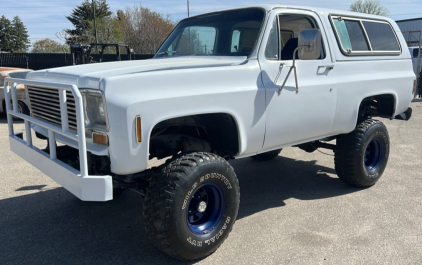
x: 293, y: 210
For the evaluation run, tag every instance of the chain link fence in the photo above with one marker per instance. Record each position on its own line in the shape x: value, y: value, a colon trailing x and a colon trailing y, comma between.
x: 38, y: 61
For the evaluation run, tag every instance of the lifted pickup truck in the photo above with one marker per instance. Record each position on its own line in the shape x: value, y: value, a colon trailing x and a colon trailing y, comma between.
x: 225, y: 85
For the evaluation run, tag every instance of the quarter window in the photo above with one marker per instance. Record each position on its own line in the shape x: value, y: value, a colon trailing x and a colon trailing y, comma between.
x: 234, y: 47
x: 273, y: 47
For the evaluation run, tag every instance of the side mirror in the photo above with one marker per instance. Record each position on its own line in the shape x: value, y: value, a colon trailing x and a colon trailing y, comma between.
x: 309, y: 48
x: 309, y: 41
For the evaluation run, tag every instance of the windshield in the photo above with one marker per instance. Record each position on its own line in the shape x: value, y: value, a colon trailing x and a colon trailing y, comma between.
x: 229, y: 33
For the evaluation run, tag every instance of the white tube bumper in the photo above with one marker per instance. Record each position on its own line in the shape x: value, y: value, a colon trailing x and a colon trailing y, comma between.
x: 78, y: 182
x: 87, y: 188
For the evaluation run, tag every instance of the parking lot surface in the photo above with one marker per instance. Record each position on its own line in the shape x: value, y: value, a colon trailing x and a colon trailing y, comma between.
x: 294, y: 210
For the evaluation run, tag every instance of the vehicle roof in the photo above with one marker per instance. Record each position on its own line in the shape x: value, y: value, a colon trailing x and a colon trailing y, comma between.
x: 269, y: 7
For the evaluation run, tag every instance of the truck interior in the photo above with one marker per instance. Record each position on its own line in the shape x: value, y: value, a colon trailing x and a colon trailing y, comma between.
x: 289, y: 27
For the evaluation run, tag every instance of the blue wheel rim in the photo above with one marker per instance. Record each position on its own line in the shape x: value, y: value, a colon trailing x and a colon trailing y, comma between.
x: 205, y: 209
x: 373, y: 155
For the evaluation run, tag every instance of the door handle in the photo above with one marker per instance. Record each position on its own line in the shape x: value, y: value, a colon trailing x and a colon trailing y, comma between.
x: 329, y: 67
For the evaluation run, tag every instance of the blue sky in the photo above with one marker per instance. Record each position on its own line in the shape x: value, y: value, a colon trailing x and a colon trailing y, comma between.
x: 44, y: 18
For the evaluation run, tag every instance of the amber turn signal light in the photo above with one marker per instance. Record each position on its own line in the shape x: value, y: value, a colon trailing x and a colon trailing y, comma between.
x: 100, y: 138
x: 138, y: 129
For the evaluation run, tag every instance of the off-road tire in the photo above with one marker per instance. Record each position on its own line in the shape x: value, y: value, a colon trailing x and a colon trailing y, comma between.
x: 419, y: 85
x: 169, y: 197
x: 267, y: 156
x: 362, y: 155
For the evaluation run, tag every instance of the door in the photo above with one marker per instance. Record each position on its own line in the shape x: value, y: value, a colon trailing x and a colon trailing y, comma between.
x: 296, y: 116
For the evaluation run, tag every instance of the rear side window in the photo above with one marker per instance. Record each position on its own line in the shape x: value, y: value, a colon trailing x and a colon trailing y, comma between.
x: 381, y: 36
x: 365, y: 37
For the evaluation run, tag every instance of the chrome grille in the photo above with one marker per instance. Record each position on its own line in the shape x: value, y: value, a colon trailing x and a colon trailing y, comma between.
x: 45, y: 105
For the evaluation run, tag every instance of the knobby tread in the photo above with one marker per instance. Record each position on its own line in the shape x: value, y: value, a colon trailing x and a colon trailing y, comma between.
x: 158, y: 201
x: 348, y: 146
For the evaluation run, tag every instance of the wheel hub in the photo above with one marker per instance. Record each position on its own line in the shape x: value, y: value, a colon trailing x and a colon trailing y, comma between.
x: 373, y: 155
x: 205, y: 209
x: 202, y: 207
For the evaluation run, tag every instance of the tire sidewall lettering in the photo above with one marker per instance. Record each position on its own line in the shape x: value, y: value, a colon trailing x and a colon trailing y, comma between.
x: 188, y: 195
x: 216, y: 176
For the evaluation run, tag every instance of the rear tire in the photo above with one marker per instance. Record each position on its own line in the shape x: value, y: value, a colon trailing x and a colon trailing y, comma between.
x: 362, y: 155
x: 267, y: 156
x: 191, y: 206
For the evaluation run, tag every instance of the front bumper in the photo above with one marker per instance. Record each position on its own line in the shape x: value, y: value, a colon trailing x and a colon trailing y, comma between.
x: 86, y: 188
x: 78, y: 182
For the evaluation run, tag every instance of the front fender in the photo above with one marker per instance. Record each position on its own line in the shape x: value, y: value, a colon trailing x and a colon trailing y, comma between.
x: 234, y: 90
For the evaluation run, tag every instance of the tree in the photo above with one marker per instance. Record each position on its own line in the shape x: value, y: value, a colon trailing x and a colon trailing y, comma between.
x: 21, y: 36
x: 81, y: 17
x: 13, y: 35
x: 107, y: 28
x: 369, y: 7
x: 144, y: 30
x: 6, y: 33
x: 190, y: 43
x: 49, y: 45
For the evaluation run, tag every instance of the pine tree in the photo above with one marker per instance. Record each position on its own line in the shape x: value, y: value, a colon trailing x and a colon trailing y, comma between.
x: 20, y: 35
x: 13, y: 35
x: 81, y: 17
x: 6, y: 33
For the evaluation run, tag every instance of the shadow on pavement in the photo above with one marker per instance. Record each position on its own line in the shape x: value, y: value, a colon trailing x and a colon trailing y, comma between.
x: 53, y: 226
x: 3, y: 119
x: 265, y: 185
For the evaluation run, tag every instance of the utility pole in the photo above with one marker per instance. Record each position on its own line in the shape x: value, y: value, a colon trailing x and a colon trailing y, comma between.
x: 188, y: 8
x: 95, y: 23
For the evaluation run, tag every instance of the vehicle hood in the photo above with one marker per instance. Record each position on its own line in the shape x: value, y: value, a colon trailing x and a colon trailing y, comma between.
x: 90, y: 75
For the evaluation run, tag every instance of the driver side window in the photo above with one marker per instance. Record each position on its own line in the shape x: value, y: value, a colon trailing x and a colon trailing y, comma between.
x: 283, y: 39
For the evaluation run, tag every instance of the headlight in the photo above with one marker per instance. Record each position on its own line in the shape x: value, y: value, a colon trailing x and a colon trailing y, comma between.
x: 95, y: 111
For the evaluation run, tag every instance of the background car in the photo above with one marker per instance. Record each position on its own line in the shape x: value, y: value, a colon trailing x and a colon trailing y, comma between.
x: 22, y: 98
